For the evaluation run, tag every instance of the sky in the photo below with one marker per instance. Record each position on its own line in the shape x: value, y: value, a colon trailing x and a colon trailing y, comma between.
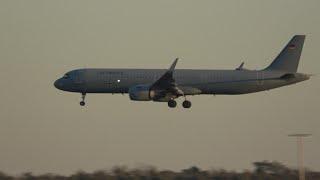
x: 45, y: 130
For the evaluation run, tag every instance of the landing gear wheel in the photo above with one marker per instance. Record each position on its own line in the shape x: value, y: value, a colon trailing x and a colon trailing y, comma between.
x: 172, y: 103
x: 82, y: 103
x: 186, y: 104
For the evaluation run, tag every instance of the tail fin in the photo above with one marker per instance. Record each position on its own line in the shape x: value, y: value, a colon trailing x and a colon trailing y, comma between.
x: 288, y: 59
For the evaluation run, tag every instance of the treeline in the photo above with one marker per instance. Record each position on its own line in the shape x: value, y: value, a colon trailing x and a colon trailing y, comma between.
x: 262, y: 171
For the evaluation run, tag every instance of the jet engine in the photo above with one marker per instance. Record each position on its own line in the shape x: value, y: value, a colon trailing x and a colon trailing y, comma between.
x: 141, y: 93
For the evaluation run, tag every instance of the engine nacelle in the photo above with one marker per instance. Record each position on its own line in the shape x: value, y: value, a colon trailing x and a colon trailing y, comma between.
x: 141, y: 93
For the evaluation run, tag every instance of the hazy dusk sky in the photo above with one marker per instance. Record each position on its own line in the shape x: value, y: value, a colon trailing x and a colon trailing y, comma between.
x: 44, y: 130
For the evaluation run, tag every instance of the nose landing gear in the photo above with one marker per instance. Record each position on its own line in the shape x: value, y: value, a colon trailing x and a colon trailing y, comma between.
x: 83, y: 96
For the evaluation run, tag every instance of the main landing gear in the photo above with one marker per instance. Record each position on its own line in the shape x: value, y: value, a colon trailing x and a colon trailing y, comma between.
x: 172, y: 104
x: 83, y: 96
x: 186, y: 104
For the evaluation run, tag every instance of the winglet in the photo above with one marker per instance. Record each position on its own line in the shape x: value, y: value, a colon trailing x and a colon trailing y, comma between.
x: 171, y: 69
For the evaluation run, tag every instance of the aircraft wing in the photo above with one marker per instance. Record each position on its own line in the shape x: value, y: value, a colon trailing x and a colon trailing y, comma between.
x: 167, y: 83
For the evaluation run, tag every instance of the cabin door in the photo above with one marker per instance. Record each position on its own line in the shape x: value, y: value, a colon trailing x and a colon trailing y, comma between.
x: 260, y: 78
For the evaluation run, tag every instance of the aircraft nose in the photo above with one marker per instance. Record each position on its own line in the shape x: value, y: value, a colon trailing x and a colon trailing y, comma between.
x: 58, y: 84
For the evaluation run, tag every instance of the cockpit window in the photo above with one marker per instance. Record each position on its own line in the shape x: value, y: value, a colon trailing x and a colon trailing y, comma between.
x: 66, y: 76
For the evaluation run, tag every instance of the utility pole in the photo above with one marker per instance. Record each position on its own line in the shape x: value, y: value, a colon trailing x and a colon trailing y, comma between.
x: 300, y: 153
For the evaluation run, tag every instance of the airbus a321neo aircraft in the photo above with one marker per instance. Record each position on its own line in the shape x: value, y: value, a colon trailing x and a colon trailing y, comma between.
x: 163, y: 85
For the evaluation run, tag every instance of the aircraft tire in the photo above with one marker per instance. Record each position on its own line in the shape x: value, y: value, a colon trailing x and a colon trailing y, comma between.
x: 82, y: 103
x: 172, y: 103
x: 186, y: 104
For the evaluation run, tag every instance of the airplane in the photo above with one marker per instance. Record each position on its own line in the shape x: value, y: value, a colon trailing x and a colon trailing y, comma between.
x: 166, y: 85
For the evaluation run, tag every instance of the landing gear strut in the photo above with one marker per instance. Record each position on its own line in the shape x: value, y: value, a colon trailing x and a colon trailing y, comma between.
x: 83, y: 96
x: 172, y: 103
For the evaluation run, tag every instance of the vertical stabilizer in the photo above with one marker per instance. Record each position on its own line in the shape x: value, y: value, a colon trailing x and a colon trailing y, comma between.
x: 288, y: 59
